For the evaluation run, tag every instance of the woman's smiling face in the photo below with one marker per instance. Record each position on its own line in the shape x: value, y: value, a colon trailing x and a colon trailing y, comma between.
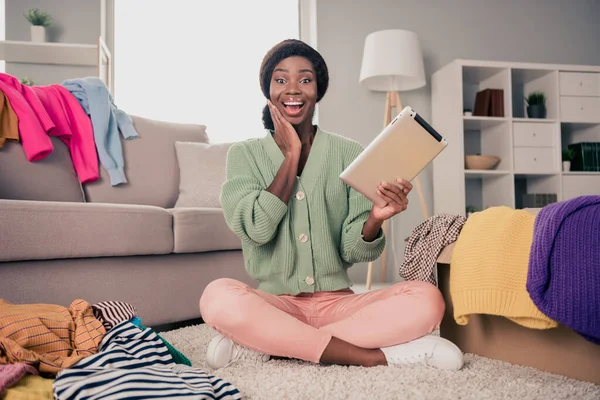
x: 293, y: 89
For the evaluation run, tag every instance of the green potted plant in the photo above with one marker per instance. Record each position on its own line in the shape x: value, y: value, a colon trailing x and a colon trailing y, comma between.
x: 470, y: 210
x: 567, y: 157
x: 39, y: 21
x: 536, y: 105
x: 27, y: 82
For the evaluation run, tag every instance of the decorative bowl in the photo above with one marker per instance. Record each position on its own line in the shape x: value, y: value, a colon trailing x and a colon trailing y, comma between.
x: 481, y: 162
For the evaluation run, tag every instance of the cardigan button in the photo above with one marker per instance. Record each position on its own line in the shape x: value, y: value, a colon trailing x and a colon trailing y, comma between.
x: 300, y: 195
x: 309, y: 280
x: 303, y: 238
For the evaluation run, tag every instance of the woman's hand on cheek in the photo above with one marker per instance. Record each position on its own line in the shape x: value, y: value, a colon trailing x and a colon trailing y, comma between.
x: 285, y: 134
x: 396, y: 198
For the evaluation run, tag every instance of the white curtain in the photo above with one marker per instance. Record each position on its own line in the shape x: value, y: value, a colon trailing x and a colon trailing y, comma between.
x: 197, y: 61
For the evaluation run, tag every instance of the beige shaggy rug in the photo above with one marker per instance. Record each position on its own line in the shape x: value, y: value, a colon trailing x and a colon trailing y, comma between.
x: 480, y: 378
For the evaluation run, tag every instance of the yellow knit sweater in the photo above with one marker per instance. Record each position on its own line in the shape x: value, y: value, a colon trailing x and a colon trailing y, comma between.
x: 489, y: 268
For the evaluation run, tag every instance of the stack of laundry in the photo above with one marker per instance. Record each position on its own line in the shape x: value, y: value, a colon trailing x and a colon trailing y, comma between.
x: 49, y: 351
x: 81, y: 112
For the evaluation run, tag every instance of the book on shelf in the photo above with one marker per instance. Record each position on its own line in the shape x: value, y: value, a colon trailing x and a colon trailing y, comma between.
x: 489, y: 103
x: 482, y: 103
x: 539, y: 200
x: 497, y: 104
x: 587, y: 156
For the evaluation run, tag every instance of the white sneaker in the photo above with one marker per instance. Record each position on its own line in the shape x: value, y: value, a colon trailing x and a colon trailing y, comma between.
x: 223, y: 352
x: 434, y: 351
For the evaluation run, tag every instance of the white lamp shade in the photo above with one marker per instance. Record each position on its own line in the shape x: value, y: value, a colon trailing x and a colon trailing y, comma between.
x: 392, y: 61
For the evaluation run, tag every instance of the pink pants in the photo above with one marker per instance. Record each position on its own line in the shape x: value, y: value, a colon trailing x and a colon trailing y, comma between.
x: 301, y: 326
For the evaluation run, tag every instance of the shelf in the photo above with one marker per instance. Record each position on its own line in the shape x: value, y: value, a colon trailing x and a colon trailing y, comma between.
x: 579, y: 124
x: 475, y: 75
x: 466, y: 62
x: 484, y: 173
x: 522, y: 76
x: 582, y: 173
x: 49, y: 53
x: 517, y: 140
x: 535, y: 120
x: 537, y: 184
x: 526, y: 81
x: 476, y: 79
x: 479, y: 123
x: 488, y: 188
x: 521, y: 174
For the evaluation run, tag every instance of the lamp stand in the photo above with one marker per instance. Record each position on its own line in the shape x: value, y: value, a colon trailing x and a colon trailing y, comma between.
x: 393, y: 101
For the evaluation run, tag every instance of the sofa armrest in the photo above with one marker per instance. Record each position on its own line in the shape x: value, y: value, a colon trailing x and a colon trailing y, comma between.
x: 34, y: 230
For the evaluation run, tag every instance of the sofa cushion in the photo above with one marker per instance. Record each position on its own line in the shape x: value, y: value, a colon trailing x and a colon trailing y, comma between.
x: 201, y: 173
x: 34, y: 230
x: 50, y: 179
x: 150, y: 165
x: 202, y: 229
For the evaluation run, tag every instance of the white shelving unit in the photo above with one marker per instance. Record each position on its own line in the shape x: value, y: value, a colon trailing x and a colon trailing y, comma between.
x: 49, y: 53
x: 530, y: 149
x: 61, y: 54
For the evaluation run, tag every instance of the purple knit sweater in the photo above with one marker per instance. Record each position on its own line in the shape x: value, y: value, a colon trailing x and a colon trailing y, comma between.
x: 564, y: 265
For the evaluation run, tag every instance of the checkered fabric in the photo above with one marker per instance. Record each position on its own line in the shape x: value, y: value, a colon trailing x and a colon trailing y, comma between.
x: 425, y: 244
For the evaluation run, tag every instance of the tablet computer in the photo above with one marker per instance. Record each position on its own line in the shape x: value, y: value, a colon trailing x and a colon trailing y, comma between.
x: 402, y: 150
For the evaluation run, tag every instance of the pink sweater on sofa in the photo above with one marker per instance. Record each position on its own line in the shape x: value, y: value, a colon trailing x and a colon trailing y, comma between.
x: 34, y: 121
x: 73, y: 127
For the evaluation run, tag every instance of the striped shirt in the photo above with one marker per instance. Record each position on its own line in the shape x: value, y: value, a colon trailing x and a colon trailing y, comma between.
x: 134, y: 363
x: 112, y: 313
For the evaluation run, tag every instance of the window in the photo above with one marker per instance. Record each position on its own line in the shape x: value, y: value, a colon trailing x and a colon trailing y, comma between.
x: 197, y: 61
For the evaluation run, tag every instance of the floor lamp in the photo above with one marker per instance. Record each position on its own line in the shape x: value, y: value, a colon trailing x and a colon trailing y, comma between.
x: 392, y: 62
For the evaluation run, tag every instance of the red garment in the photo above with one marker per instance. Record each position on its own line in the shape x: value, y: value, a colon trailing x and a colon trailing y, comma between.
x: 34, y: 121
x: 73, y: 126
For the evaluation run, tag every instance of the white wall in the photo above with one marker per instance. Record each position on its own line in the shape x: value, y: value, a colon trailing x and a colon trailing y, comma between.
x: 2, y: 30
x: 553, y: 31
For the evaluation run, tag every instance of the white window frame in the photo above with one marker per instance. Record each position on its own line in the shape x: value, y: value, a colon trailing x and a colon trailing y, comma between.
x: 308, y: 31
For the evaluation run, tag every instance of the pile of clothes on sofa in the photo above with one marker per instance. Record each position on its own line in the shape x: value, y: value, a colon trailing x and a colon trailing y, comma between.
x: 81, y: 112
x: 99, y: 351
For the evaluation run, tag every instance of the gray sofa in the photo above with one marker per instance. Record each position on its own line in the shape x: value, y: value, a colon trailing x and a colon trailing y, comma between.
x: 60, y: 240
